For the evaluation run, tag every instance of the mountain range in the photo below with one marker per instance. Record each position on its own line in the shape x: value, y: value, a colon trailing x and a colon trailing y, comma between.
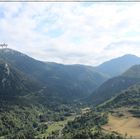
x: 50, y: 91
x: 72, y: 81
x: 68, y: 81
x: 117, y: 66
x: 115, y: 85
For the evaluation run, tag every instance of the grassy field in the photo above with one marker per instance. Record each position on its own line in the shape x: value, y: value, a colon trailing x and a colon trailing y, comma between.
x: 126, y: 125
x: 56, y: 126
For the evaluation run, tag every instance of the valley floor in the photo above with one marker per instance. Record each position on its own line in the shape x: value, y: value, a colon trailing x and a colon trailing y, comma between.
x: 56, y: 127
x: 127, y: 125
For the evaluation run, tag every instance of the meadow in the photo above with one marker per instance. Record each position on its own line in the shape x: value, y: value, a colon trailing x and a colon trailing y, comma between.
x: 126, y: 125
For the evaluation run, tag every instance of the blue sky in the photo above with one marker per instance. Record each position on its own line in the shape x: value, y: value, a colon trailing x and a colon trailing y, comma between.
x: 70, y: 33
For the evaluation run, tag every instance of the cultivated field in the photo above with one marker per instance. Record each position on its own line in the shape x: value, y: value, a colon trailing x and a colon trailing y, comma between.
x: 126, y: 125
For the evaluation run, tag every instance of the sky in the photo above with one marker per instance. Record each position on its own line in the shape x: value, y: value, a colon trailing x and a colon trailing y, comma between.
x: 71, y: 32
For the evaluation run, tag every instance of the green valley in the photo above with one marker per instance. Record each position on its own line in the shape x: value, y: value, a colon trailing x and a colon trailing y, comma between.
x: 48, y: 100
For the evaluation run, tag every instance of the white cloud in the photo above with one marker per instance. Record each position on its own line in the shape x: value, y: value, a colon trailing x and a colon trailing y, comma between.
x: 71, y: 32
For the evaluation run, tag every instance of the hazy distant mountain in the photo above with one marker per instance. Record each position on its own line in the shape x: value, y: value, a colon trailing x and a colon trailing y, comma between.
x: 118, y: 65
x: 115, y: 85
x: 67, y: 81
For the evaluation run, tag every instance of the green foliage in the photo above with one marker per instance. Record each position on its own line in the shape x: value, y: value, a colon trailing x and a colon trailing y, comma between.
x: 19, y: 122
x: 135, y: 112
x: 128, y: 98
x: 88, y: 126
x: 114, y: 86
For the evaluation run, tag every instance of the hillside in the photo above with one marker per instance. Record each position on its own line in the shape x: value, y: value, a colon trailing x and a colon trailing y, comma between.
x: 117, y: 118
x: 129, y: 98
x: 17, y: 113
x: 68, y: 81
x: 88, y: 126
x: 123, y: 112
x: 15, y: 83
x: 133, y: 72
x: 33, y: 93
x: 117, y: 66
x: 26, y: 106
x: 115, y: 85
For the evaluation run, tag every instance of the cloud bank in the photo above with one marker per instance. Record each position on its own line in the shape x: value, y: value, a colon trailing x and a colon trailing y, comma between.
x: 70, y: 33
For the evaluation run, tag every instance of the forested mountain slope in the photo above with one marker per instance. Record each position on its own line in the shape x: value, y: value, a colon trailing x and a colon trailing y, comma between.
x: 68, y: 81
x: 115, y: 85
x: 128, y: 98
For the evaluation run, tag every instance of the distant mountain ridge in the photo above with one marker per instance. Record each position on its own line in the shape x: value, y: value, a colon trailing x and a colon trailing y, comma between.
x: 115, y: 85
x: 117, y: 66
